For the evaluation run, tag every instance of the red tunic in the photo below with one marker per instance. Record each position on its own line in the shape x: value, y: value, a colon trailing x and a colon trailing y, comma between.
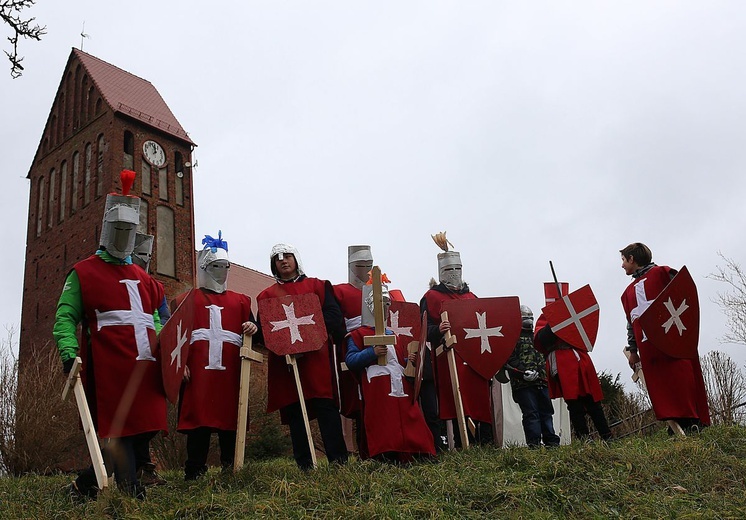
x: 350, y: 300
x: 675, y: 386
x: 314, y: 367
x: 576, y: 375
x: 123, y: 373
x: 210, y: 398
x: 475, y: 390
x: 392, y: 423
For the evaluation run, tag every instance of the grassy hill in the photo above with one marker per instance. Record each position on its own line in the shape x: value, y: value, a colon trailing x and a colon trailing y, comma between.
x: 702, y: 476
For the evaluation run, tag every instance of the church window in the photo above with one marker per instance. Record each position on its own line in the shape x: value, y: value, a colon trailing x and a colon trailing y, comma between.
x: 166, y: 250
x: 50, y: 208
x: 129, y: 151
x: 87, y: 174
x: 74, y: 183
x: 39, y: 206
x: 142, y: 227
x: 163, y: 183
x: 146, y: 178
x: 100, y: 166
x: 63, y: 189
x: 179, y: 181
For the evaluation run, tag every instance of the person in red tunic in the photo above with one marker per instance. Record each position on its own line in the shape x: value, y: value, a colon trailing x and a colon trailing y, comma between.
x: 349, y: 296
x: 117, y: 303
x: 208, y: 401
x: 475, y: 390
x: 395, y: 429
x: 675, y: 386
x: 315, y: 367
x: 573, y: 377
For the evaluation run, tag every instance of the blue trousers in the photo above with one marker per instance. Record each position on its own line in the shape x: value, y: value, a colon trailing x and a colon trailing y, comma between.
x: 537, y: 412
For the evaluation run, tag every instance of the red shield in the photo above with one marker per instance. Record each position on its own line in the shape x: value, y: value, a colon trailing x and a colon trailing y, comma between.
x: 420, y: 365
x: 174, y: 341
x: 404, y: 321
x: 550, y: 291
x: 671, y: 323
x: 486, y: 330
x: 574, y: 318
x: 292, y: 324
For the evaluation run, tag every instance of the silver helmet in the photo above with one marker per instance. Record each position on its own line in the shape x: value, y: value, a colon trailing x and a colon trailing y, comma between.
x: 359, y: 262
x: 449, y: 270
x: 527, y: 318
x: 367, y: 316
x: 278, y: 252
x: 213, y: 264
x: 143, y: 250
x: 121, y: 217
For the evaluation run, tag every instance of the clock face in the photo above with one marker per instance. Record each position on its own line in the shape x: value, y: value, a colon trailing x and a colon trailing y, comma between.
x: 153, y: 153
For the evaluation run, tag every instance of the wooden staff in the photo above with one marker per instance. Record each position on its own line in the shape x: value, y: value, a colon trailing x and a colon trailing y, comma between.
x: 74, y: 382
x: 380, y: 338
x: 451, y: 340
x: 290, y: 360
x: 247, y: 356
x: 411, y: 369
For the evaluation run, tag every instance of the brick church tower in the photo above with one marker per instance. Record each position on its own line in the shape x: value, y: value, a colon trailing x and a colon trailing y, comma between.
x: 103, y: 120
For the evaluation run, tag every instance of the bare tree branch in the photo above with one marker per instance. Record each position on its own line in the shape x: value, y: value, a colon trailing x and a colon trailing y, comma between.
x: 10, y: 12
x: 733, y: 300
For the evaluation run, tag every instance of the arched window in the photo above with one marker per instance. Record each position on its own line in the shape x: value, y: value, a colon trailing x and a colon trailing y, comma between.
x: 143, y: 226
x: 99, y: 106
x: 179, y: 180
x: 53, y: 130
x: 100, y: 166
x: 84, y: 100
x: 146, y: 190
x: 50, y: 208
x: 40, y: 206
x: 63, y: 115
x: 87, y: 173
x: 129, y: 151
x: 163, y: 183
x: 76, y: 102
x: 166, y: 251
x: 63, y: 189
x: 91, y: 99
x: 74, y: 183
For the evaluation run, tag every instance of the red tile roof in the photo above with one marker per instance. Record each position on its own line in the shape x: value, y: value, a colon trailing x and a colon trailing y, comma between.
x: 248, y: 281
x: 128, y: 94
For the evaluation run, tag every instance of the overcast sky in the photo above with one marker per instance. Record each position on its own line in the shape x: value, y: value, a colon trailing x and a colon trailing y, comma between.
x: 529, y: 131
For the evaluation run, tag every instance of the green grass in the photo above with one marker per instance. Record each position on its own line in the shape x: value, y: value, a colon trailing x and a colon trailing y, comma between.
x: 702, y: 476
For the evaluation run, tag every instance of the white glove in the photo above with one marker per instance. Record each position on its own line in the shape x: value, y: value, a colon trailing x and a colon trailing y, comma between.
x: 530, y: 375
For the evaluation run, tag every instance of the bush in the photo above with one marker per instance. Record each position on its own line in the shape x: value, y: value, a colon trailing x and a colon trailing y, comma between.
x: 38, y: 432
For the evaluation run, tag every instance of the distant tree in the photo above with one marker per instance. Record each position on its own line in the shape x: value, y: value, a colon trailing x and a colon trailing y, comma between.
x: 614, y: 396
x: 10, y: 11
x: 733, y: 301
x: 726, y: 388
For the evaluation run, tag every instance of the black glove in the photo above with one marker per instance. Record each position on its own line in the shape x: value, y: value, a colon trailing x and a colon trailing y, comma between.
x: 67, y: 365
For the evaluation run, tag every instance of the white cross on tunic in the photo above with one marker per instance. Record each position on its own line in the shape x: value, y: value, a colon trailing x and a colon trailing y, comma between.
x: 135, y: 316
x: 483, y: 333
x: 215, y: 336
x: 642, y: 304
x: 399, y: 331
x: 393, y: 369
x: 292, y: 323
x: 574, y: 319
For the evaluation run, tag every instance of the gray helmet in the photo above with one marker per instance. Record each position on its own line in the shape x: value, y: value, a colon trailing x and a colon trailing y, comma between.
x: 359, y: 262
x: 527, y: 318
x: 118, y: 229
